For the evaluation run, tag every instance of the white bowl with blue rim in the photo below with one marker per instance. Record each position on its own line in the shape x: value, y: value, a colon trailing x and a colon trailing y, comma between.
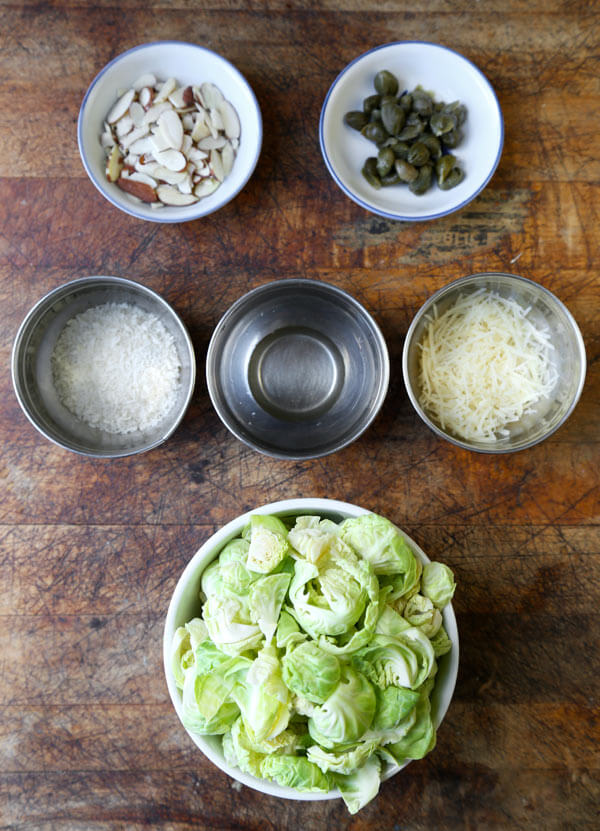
x: 188, y: 64
x: 450, y: 77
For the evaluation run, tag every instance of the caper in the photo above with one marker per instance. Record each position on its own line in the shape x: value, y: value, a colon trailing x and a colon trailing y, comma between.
x: 385, y: 161
x: 418, y: 154
x: 457, y: 109
x: 452, y: 138
x: 386, y: 83
x: 449, y: 174
x: 433, y: 144
x: 392, y: 117
x: 355, y: 119
x: 375, y: 114
x: 454, y: 179
x: 444, y: 166
x: 374, y: 131
x: 400, y: 148
x: 369, y: 171
x: 370, y: 102
x: 441, y: 123
x: 422, y: 104
x: 392, y: 178
x: 407, y: 172
x: 423, y: 181
x: 405, y: 102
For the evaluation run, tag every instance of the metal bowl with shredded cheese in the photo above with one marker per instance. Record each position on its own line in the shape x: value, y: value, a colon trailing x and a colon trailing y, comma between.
x: 494, y: 362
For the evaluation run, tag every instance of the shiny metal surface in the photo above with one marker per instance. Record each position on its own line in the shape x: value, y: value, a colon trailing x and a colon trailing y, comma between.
x: 297, y: 369
x: 32, y: 373
x: 568, y: 355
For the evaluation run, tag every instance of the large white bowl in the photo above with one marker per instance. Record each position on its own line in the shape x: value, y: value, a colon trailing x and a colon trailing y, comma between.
x: 188, y: 64
x: 185, y: 604
x: 450, y: 77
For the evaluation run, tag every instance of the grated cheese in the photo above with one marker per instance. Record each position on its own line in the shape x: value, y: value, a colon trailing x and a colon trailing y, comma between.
x: 116, y: 367
x: 484, y: 365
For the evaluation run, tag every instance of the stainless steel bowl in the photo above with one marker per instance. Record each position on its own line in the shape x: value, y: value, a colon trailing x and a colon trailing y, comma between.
x: 568, y: 355
x: 32, y: 372
x: 297, y: 369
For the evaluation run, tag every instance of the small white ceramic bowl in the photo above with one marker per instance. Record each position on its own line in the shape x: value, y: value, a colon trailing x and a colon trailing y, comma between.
x: 450, y: 77
x: 185, y: 604
x: 188, y: 64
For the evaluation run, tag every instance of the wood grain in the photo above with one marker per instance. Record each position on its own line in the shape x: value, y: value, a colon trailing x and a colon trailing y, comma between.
x: 90, y: 550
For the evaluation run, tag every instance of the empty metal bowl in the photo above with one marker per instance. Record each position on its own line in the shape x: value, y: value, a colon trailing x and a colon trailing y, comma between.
x: 568, y: 357
x: 32, y: 369
x: 297, y: 369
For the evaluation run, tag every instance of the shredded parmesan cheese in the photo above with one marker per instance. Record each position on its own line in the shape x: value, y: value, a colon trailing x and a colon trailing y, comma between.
x: 484, y: 365
x: 116, y: 368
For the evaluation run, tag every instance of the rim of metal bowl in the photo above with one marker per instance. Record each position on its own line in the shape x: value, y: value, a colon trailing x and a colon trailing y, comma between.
x: 241, y: 301
x: 425, y: 308
x: 130, y: 209
x: 65, y: 288
x: 379, y: 211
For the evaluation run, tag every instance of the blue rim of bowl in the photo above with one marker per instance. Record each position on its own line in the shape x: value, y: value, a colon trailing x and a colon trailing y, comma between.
x: 378, y: 211
x: 100, y: 185
x: 125, y: 283
x: 413, y: 398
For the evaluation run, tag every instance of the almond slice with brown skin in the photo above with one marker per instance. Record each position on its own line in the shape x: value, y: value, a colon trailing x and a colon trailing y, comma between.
x: 121, y: 107
x: 146, y: 97
x: 171, y: 196
x: 136, y: 111
x: 114, y: 165
x: 142, y: 190
x: 136, y: 176
x: 188, y: 97
x: 171, y: 127
x: 206, y: 187
x: 228, y: 158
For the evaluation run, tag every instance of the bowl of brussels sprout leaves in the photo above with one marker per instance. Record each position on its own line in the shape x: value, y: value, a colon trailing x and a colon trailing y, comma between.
x: 411, y: 131
x: 311, y: 650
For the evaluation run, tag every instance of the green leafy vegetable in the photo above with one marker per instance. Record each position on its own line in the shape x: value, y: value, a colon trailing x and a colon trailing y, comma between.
x: 316, y: 652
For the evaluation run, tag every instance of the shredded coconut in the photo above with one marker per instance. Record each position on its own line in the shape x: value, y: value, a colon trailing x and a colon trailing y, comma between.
x: 116, y: 367
x: 484, y: 365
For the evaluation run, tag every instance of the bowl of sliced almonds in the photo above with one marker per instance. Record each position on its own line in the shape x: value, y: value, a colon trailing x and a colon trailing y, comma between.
x: 169, y: 131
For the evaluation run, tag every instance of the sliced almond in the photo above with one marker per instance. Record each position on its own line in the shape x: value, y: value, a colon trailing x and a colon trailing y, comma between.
x: 166, y: 89
x: 172, y: 196
x: 146, y: 97
x: 136, y: 112
x: 157, y: 140
x: 210, y: 143
x: 200, y: 130
x: 188, y: 96
x: 171, y: 159
x: 141, y: 190
x: 231, y: 121
x: 188, y: 121
x: 155, y: 111
x: 228, y: 158
x: 145, y: 81
x: 124, y: 125
x: 195, y: 155
x: 121, y: 107
x: 216, y: 165
x: 114, y: 165
x: 176, y: 98
x: 134, y: 135
x: 171, y: 177
x: 142, y: 146
x: 186, y: 144
x: 215, y: 117
x: 206, y: 187
x: 171, y: 127
x: 186, y: 185
x: 149, y: 168
x: 107, y: 140
x: 136, y: 176
x: 211, y: 96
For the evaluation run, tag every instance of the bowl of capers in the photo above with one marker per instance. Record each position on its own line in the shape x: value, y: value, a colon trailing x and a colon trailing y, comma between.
x: 411, y: 131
